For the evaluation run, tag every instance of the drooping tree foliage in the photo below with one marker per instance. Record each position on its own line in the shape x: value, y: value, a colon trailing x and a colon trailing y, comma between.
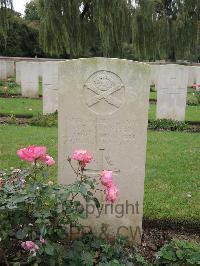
x: 167, y: 28
x: 5, y: 5
x: 20, y: 36
x: 135, y: 29
x: 151, y: 29
x: 77, y: 25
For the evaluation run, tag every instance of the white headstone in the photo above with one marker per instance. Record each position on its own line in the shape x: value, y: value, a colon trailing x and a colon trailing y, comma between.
x: 10, y: 68
x: 29, y: 79
x: 3, y: 74
x: 197, y: 75
x: 154, y: 74
x: 50, y: 87
x: 18, y: 72
x: 103, y: 107
x: 172, y: 92
x: 191, y: 76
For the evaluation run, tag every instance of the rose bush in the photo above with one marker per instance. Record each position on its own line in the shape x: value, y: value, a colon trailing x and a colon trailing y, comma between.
x: 36, y: 213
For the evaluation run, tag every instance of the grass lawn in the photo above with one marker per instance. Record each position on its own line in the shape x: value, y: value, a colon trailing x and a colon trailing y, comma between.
x: 34, y: 106
x: 153, y: 95
x: 192, y: 112
x: 172, y: 169
x: 20, y: 106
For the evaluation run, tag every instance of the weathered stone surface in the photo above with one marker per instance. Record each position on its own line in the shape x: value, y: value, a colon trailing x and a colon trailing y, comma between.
x: 197, y: 75
x: 29, y: 79
x: 103, y: 107
x: 191, y: 75
x: 3, y: 74
x: 50, y: 87
x: 154, y: 74
x: 10, y: 68
x: 18, y: 72
x: 172, y: 92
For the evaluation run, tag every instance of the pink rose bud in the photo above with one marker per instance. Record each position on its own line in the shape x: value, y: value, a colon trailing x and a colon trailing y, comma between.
x: 83, y: 156
x: 42, y: 241
x: 106, y: 178
x: 30, y: 246
x: 48, y: 160
x: 112, y: 193
x: 31, y: 153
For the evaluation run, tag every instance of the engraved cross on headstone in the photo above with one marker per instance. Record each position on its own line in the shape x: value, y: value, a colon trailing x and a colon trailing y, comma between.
x: 101, y: 166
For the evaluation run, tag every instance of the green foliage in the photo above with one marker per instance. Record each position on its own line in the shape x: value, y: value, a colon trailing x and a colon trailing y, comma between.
x: 4, y: 13
x: 179, y: 252
x: 31, y: 11
x: 9, y: 87
x: 92, y: 250
x: 49, y: 120
x: 151, y: 29
x: 32, y: 206
x: 167, y: 124
x: 193, y: 98
x: 22, y: 40
x: 197, y: 94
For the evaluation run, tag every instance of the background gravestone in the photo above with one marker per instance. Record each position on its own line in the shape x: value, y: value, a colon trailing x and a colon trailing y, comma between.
x: 18, y: 72
x: 197, y: 74
x: 103, y: 107
x: 3, y: 74
x: 50, y: 86
x: 10, y: 68
x: 154, y: 74
x: 191, y: 76
x: 172, y: 92
x: 29, y: 79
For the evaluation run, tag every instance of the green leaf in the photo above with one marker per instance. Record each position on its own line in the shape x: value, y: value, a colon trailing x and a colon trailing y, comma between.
x: 87, y: 258
x: 49, y: 249
x: 21, y: 234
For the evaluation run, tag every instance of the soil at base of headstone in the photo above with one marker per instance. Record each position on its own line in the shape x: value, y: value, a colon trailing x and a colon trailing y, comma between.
x: 153, y: 239
x: 17, y: 95
x: 18, y: 121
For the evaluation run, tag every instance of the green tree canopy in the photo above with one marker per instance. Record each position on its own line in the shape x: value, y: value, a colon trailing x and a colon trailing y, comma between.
x: 5, y: 5
x: 140, y: 29
x: 152, y: 29
x: 31, y: 11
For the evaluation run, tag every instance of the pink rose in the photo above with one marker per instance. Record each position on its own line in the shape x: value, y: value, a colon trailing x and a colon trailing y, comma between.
x: 42, y: 240
x: 83, y: 156
x: 106, y: 178
x: 47, y: 159
x: 196, y: 85
x: 112, y: 193
x: 30, y: 245
x: 31, y: 153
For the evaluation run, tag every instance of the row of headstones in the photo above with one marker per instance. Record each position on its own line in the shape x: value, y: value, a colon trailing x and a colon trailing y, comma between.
x: 28, y: 74
x: 171, y: 82
x: 193, y: 74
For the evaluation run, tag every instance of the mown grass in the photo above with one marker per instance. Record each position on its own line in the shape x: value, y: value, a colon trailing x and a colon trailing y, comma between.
x: 34, y: 106
x: 192, y: 112
x: 23, y: 106
x: 172, y: 168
